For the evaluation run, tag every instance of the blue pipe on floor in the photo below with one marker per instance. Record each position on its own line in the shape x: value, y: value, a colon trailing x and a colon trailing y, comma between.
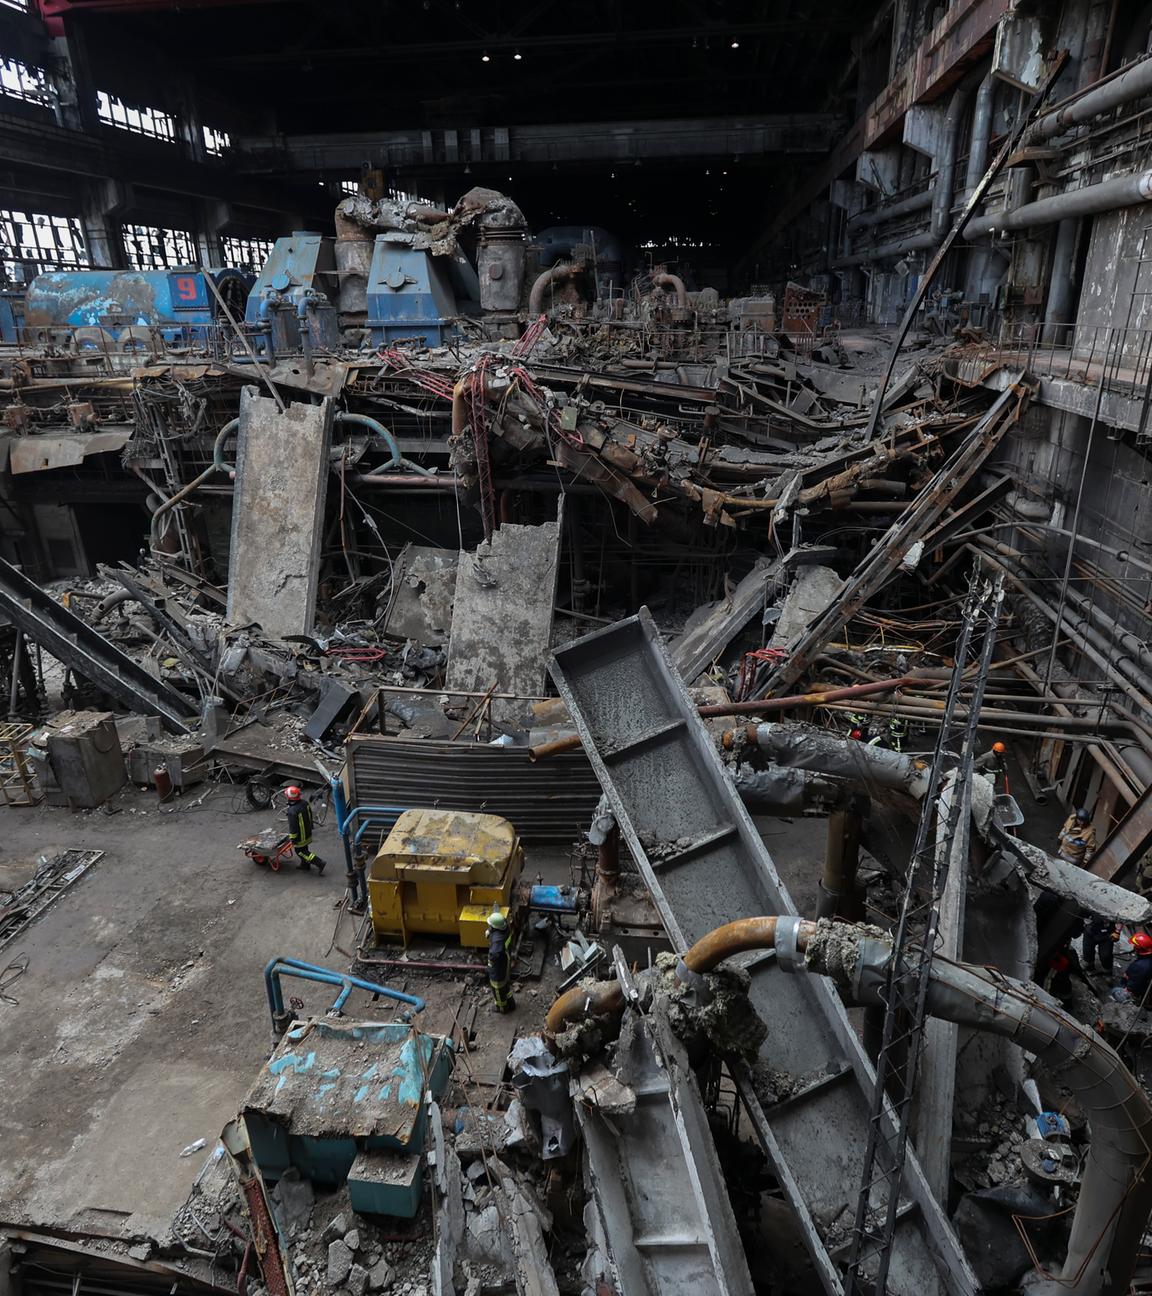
x: 281, y: 966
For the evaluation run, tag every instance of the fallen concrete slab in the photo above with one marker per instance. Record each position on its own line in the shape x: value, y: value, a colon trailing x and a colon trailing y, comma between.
x: 502, y: 620
x: 278, y: 514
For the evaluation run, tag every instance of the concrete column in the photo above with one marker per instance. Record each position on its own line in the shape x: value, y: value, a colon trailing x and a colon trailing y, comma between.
x: 102, y: 202
x: 212, y: 218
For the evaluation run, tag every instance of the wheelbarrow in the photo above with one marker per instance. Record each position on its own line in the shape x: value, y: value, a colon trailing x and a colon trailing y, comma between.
x: 269, y: 848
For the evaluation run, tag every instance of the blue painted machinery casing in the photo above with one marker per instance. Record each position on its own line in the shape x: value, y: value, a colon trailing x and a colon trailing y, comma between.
x: 292, y: 301
x: 410, y: 293
x: 345, y: 1102
x: 119, y: 310
x: 11, y: 317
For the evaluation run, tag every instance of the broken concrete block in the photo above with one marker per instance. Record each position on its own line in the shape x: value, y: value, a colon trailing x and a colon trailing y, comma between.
x: 352, y: 1239
x: 339, y: 1262
x: 337, y: 1227
x: 380, y: 1276
x: 484, y: 1236
x: 358, y: 1280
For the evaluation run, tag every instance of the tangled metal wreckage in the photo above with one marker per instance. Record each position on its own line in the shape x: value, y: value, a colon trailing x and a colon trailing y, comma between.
x: 832, y: 633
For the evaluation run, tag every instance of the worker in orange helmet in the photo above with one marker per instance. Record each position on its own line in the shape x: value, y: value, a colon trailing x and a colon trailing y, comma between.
x: 300, y: 829
x: 994, y: 759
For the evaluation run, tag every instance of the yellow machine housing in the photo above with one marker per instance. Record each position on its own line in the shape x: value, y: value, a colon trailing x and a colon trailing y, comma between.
x: 441, y: 873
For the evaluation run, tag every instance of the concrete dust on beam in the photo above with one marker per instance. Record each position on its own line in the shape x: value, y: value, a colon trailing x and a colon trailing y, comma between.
x: 813, y: 591
x: 278, y: 514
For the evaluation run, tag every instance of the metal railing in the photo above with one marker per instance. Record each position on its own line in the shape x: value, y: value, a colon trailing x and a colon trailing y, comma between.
x: 1117, y: 358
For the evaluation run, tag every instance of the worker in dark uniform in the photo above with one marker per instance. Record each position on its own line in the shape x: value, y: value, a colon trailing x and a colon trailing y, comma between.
x: 1100, y: 936
x: 300, y: 829
x: 500, y: 962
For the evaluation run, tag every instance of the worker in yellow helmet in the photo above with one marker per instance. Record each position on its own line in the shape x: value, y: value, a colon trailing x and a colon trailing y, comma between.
x: 500, y: 962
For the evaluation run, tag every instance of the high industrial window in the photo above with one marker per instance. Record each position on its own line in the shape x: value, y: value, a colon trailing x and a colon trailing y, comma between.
x: 350, y: 187
x: 216, y: 141
x: 31, y: 242
x: 22, y: 5
x: 150, y: 247
x: 19, y: 81
x: 140, y: 121
x: 246, y: 253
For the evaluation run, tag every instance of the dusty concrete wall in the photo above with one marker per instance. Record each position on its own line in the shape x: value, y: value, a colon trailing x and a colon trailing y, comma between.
x: 278, y: 513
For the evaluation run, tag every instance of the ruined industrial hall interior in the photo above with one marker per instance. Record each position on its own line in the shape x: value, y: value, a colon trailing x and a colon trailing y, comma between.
x: 576, y: 648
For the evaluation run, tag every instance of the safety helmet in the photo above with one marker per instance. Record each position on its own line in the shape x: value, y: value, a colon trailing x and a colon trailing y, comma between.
x: 1082, y: 815
x: 1143, y: 942
x: 497, y: 920
x: 293, y: 793
x: 999, y: 748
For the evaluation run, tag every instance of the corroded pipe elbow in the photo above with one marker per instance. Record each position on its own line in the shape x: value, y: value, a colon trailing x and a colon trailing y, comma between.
x: 561, y: 270
x: 737, y: 937
x: 666, y: 280
x: 604, y: 999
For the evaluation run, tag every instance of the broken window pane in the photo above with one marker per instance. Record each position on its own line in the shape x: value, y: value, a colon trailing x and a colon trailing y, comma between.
x: 216, y: 141
x: 152, y: 247
x: 246, y: 253
x: 19, y: 81
x: 140, y: 121
x: 31, y: 242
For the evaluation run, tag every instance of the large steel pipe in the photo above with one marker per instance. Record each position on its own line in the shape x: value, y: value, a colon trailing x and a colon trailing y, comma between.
x: 1091, y: 200
x: 1134, y: 82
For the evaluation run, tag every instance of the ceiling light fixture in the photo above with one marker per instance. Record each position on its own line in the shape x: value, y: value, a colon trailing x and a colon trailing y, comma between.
x: 484, y: 57
x: 735, y: 45
x: 517, y: 56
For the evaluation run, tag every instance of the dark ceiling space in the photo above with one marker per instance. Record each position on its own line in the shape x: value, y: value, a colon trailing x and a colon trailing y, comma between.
x: 277, y: 68
x: 356, y: 64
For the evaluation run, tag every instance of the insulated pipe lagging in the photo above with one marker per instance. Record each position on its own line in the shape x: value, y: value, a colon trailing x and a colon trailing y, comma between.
x: 878, y: 215
x: 944, y: 188
x: 840, y: 757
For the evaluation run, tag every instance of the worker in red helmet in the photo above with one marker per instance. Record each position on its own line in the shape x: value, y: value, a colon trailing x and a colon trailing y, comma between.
x: 1138, y: 975
x: 300, y: 829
